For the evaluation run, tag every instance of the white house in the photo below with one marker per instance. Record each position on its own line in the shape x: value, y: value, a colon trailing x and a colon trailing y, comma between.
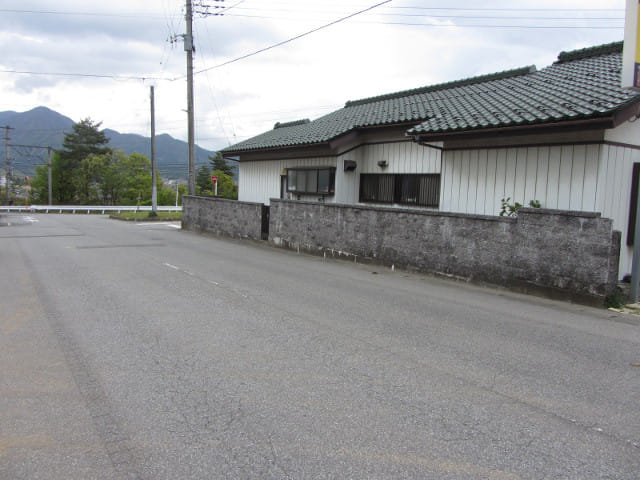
x: 566, y: 136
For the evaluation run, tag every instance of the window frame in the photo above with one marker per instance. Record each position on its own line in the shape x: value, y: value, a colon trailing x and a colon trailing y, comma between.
x: 400, y: 189
x: 306, y: 171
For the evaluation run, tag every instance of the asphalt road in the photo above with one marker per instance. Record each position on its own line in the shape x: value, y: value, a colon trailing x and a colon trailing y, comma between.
x: 146, y: 352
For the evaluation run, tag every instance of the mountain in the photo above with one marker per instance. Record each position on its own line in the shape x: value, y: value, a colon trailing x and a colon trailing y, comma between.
x: 46, y: 128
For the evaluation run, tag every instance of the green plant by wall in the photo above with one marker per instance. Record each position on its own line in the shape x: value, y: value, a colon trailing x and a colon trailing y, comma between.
x: 511, y: 209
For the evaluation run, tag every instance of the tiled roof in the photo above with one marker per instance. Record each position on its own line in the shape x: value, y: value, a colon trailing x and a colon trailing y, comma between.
x: 581, y: 84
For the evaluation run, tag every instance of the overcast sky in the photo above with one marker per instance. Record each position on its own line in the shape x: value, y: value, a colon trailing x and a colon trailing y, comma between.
x: 111, y: 52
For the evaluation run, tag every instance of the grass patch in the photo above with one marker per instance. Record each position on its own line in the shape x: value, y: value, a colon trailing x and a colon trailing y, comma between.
x: 144, y: 216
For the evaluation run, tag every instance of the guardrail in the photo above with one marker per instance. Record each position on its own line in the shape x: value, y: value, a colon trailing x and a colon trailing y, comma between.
x: 86, y: 208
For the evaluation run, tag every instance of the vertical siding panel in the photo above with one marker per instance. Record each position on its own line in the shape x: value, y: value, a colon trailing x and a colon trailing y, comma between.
x: 482, y: 182
x: 464, y: 183
x: 448, y: 166
x: 542, y: 178
x: 495, y: 184
x: 406, y: 150
x: 531, y: 175
x: 616, y: 183
x: 453, y: 166
x: 590, y: 178
x: 457, y: 191
x: 564, y: 189
x: 623, y: 186
x: 392, y: 158
x: 411, y: 155
x: 366, y: 159
x: 603, y: 168
x: 401, y: 163
x: 473, y: 182
x: 418, y: 155
x: 423, y: 155
x: 577, y: 177
x: 553, y: 179
x: 509, y: 160
x: 445, y: 180
x: 428, y: 159
x: 520, y: 176
x: 609, y: 175
x: 451, y: 174
x: 384, y: 155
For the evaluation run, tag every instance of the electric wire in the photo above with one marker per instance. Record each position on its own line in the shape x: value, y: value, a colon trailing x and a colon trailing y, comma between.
x: 292, y: 39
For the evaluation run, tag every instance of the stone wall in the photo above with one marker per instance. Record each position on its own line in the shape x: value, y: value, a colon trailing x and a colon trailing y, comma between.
x: 563, y: 254
x: 228, y: 218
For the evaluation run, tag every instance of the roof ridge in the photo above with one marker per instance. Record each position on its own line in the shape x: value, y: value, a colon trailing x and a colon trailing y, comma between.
x: 516, y: 72
x: 291, y: 124
x: 588, y: 52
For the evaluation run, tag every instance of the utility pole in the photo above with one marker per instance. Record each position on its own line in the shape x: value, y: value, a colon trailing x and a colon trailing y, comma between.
x: 154, y: 187
x: 188, y: 47
x: 49, y: 183
x: 7, y: 182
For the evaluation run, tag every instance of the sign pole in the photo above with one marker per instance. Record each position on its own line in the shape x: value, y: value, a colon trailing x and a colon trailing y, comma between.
x: 214, y: 179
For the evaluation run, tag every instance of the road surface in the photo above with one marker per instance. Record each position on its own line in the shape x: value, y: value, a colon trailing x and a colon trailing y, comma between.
x: 142, y: 351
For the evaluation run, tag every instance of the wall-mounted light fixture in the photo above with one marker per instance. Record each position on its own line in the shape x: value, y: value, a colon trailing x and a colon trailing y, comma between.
x: 350, y: 165
x: 383, y: 164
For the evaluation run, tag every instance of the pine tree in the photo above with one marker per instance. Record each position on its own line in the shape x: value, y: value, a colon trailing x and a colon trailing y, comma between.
x: 219, y: 163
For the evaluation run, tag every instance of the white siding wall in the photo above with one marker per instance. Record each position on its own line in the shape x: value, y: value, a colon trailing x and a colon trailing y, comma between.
x: 401, y: 157
x: 259, y: 181
x: 475, y: 181
x: 614, y: 194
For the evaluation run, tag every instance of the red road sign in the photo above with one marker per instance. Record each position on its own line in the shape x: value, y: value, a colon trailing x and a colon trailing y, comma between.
x: 214, y: 179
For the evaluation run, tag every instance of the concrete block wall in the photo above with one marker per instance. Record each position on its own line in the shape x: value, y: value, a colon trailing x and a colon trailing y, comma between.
x: 228, y: 218
x: 563, y: 254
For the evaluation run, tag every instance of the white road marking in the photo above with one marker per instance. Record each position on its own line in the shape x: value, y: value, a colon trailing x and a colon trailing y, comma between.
x: 154, y: 224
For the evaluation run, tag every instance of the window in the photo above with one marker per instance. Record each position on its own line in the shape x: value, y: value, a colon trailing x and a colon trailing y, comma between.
x: 311, y: 180
x: 404, y: 189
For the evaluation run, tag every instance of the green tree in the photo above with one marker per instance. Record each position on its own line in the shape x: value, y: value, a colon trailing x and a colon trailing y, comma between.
x: 204, y: 185
x: 135, y: 173
x: 219, y: 163
x: 71, y: 183
x: 40, y: 185
x: 167, y: 194
x: 227, y: 188
x: 89, y: 177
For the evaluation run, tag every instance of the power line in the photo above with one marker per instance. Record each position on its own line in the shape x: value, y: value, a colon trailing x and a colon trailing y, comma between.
x: 475, y: 17
x: 297, y: 37
x: 86, y: 75
x: 463, y: 25
x: 85, y: 14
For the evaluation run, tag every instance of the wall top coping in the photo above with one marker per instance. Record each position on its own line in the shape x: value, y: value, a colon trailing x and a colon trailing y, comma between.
x: 413, y: 211
x: 225, y: 200
x: 437, y: 213
x: 566, y: 213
